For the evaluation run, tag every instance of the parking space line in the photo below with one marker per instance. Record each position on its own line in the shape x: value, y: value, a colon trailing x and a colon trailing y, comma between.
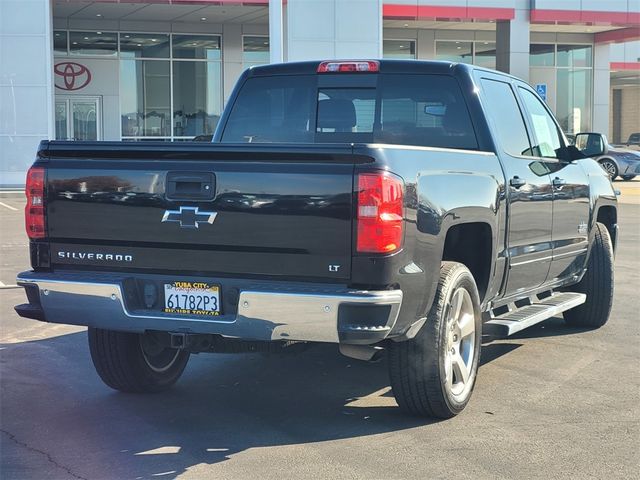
x: 4, y: 287
x: 9, y: 206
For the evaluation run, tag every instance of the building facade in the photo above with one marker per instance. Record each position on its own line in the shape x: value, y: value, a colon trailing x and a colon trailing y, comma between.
x: 141, y: 70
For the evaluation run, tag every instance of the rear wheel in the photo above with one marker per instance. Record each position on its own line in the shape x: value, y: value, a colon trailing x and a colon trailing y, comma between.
x: 597, y: 284
x: 626, y: 178
x: 610, y: 167
x: 434, y: 373
x: 136, y: 363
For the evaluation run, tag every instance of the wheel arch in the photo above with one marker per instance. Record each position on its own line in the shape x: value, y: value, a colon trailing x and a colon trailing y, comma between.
x: 608, y: 216
x: 472, y: 244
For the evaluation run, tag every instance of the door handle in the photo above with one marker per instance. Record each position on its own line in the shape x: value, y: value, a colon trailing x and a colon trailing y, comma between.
x: 559, y: 182
x: 183, y: 186
x: 517, y: 182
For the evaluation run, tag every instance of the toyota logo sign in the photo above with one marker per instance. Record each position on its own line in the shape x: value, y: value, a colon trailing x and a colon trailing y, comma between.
x: 72, y: 75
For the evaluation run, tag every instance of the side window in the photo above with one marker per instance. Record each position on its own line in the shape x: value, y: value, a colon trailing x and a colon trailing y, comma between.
x: 545, y: 129
x: 503, y: 109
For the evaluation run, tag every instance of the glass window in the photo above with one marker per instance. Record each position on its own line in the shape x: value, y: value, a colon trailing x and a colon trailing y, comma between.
x: 60, y: 42
x: 273, y: 109
x: 93, y: 43
x: 547, y: 141
x: 454, y: 51
x: 61, y: 120
x: 147, y: 45
x: 197, y: 99
x: 424, y: 110
x: 486, y: 54
x: 196, y: 47
x: 573, y: 99
x: 255, y: 50
x: 399, y: 49
x: 542, y: 55
x: 574, y: 55
x: 503, y: 109
x: 346, y: 110
x: 145, y: 98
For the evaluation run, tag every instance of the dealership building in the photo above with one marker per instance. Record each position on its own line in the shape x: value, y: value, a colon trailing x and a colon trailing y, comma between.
x: 140, y: 70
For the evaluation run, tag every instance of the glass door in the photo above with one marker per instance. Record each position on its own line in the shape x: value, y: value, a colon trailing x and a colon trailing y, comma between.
x: 78, y: 118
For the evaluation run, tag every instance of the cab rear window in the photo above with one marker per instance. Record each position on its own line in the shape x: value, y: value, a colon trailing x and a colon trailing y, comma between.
x: 421, y: 110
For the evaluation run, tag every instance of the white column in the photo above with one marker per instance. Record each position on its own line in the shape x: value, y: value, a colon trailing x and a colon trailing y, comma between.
x: 232, y: 54
x: 601, y: 80
x: 334, y: 29
x: 26, y: 85
x: 512, y: 43
x: 276, y: 32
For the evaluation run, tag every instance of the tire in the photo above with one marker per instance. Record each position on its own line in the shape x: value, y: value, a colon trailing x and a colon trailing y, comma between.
x: 627, y: 178
x: 597, y: 284
x: 135, y: 363
x: 610, y: 167
x: 425, y: 379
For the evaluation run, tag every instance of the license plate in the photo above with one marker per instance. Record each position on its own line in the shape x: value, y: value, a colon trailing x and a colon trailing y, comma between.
x: 192, y: 298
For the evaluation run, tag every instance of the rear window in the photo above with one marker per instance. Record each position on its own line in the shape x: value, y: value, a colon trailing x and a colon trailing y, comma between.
x: 421, y: 110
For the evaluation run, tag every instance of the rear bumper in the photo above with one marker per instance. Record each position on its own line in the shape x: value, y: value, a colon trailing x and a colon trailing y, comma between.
x: 265, y: 311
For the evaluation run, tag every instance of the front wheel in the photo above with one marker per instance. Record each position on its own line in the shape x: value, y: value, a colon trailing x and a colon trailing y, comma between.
x: 597, y: 284
x: 610, y: 167
x: 434, y: 373
x: 135, y: 363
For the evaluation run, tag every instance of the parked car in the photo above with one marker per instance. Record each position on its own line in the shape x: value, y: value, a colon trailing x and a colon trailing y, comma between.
x: 632, y: 143
x: 399, y: 206
x: 616, y: 161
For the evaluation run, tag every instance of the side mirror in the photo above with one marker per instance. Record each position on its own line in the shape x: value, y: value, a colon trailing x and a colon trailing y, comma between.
x: 592, y: 144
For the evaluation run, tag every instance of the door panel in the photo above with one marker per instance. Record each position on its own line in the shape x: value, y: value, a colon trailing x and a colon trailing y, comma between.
x: 530, y: 217
x: 570, y: 220
x: 570, y: 186
x: 529, y: 194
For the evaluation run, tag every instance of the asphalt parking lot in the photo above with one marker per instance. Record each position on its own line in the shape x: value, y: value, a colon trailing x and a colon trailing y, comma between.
x: 551, y: 402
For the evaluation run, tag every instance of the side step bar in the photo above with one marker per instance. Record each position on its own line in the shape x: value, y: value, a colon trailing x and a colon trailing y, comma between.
x: 535, y: 312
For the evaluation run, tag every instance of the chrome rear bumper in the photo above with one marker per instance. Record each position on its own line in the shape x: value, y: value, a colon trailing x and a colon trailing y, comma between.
x: 268, y: 311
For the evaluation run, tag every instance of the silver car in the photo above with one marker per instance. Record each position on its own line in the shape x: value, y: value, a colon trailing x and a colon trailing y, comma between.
x: 617, y: 161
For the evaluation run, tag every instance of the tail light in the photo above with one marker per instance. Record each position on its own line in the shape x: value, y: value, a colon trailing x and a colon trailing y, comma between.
x: 34, y: 210
x: 380, y: 212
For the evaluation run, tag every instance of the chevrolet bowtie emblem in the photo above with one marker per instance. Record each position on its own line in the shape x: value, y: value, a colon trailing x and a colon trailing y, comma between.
x: 189, y: 217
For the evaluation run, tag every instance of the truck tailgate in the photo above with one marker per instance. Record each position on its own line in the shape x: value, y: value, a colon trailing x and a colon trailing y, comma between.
x: 263, y: 213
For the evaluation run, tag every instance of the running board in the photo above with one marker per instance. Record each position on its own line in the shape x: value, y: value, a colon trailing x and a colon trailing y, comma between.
x: 535, y: 312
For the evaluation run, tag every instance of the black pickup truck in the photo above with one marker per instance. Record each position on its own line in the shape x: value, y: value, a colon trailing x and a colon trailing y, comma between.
x: 399, y: 206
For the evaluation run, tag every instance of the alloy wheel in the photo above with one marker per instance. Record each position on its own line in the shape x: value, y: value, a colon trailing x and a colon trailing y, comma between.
x: 610, y: 168
x: 459, y: 354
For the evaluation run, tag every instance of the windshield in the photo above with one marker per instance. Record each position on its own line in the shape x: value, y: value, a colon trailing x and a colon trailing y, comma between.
x: 423, y: 110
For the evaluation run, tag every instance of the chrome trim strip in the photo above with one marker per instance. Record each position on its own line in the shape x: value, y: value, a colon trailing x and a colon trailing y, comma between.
x: 551, y: 257
x: 574, y: 253
x: 262, y: 314
x: 524, y: 262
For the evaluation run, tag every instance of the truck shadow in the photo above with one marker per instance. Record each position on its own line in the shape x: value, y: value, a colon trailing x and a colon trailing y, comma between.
x: 223, y: 405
